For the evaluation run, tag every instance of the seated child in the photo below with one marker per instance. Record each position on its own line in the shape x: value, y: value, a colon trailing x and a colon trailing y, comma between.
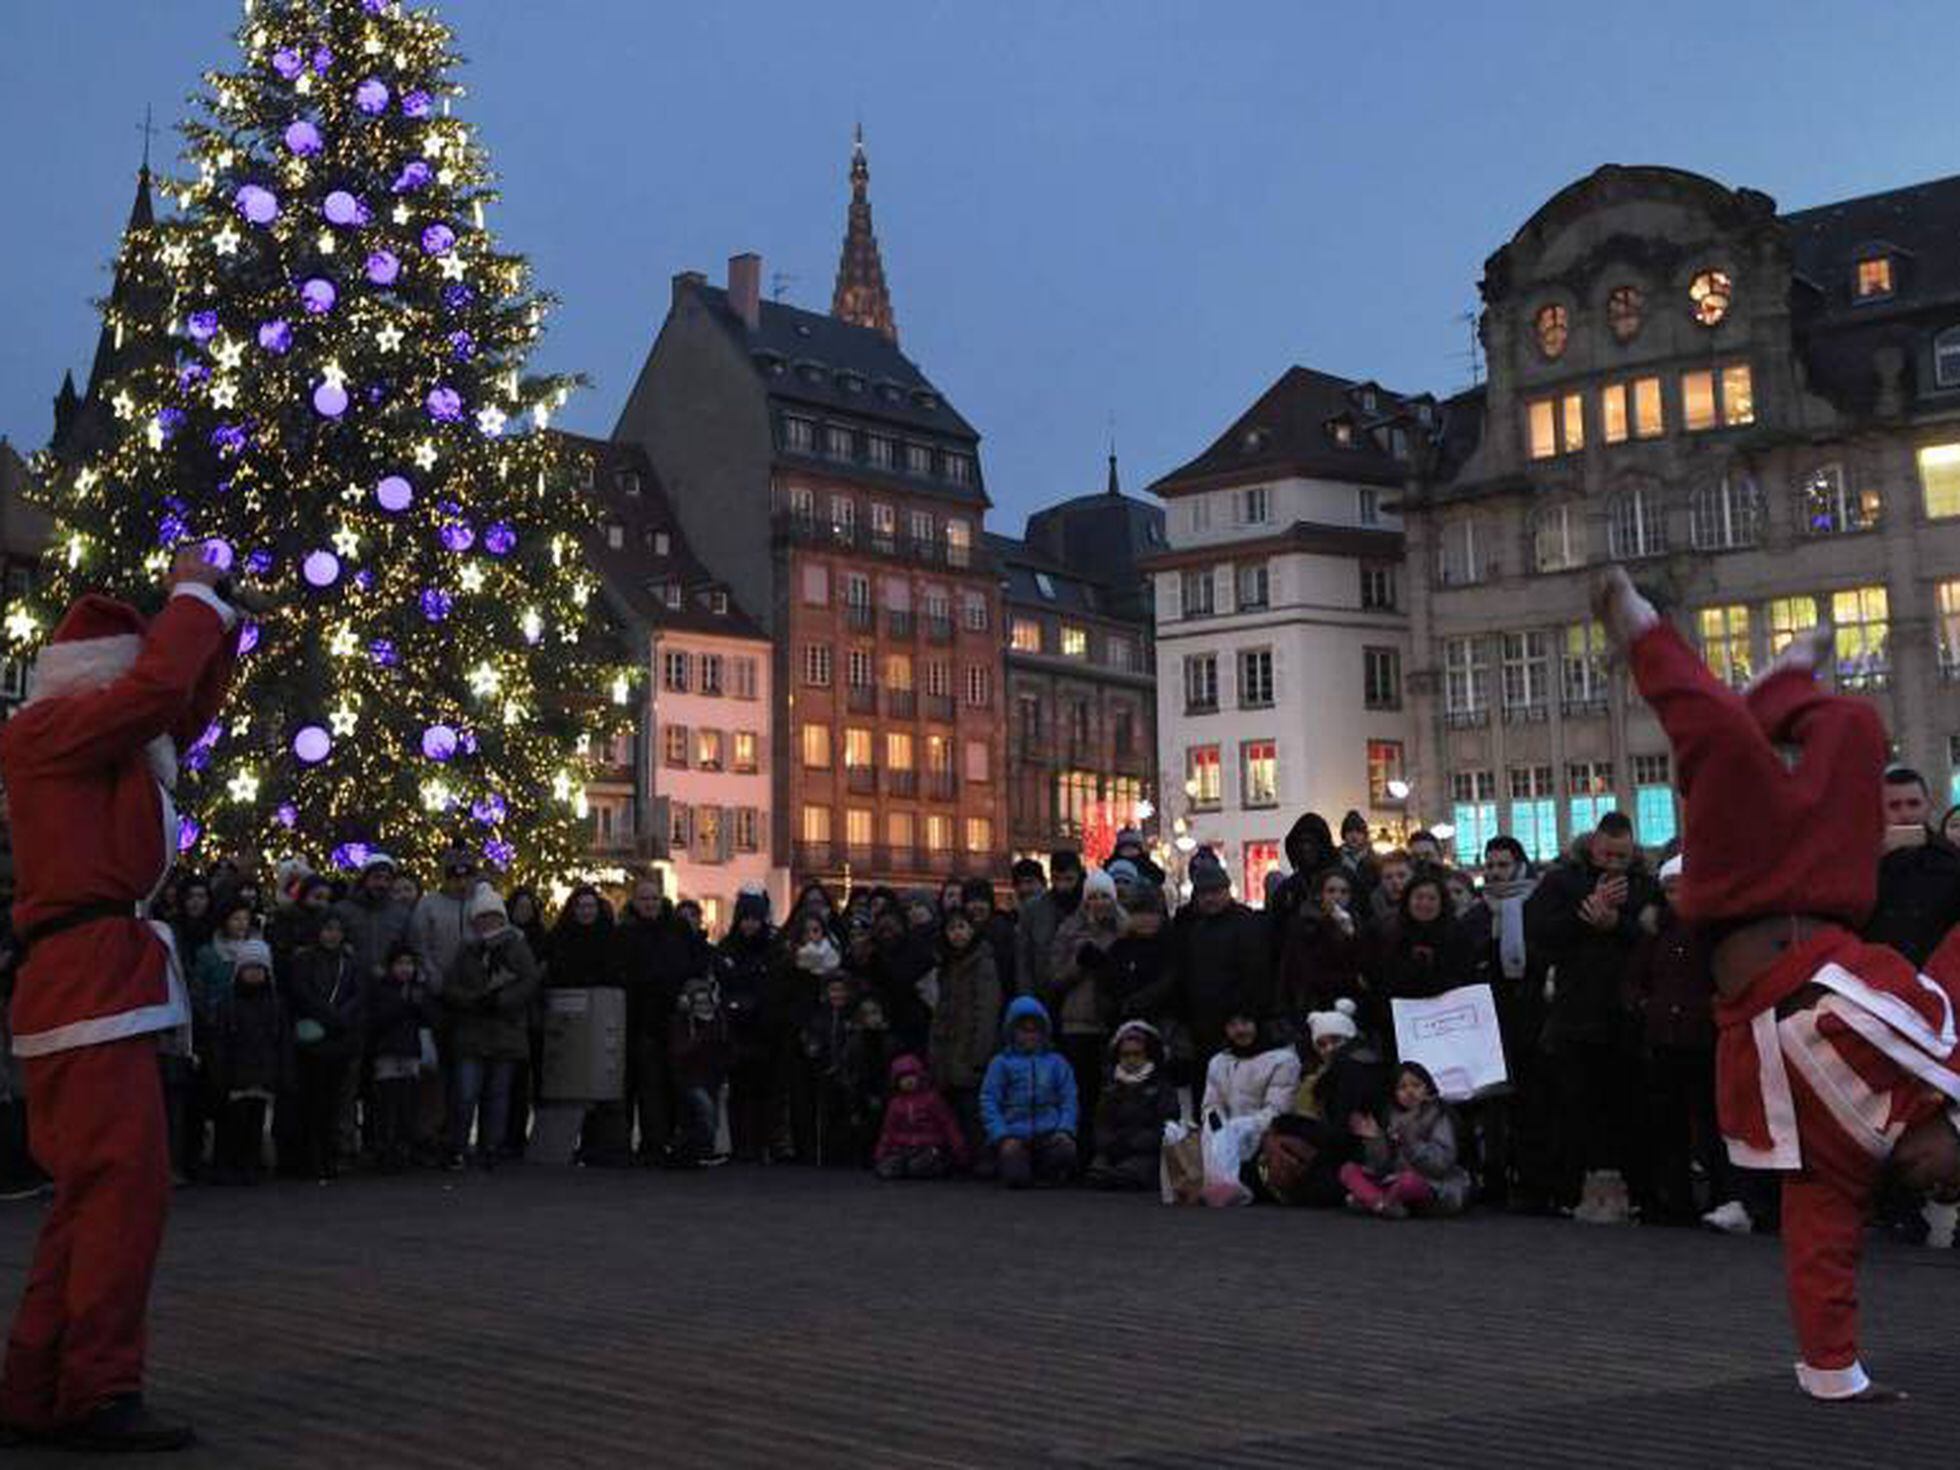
x: 921, y: 1138
x: 1137, y: 1101
x: 1247, y: 1079
x: 1412, y: 1164
x: 1028, y: 1102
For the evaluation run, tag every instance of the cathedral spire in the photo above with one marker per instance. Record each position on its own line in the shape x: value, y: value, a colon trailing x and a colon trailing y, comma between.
x: 861, y: 297
x: 142, y: 216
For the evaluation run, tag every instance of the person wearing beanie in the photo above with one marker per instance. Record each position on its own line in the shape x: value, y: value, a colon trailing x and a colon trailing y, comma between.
x: 374, y: 920
x: 1347, y: 1078
x: 918, y: 1138
x: 1138, y: 1099
x: 1041, y: 918
x: 488, y: 994
x: 746, y: 969
x: 1221, y: 958
x: 1124, y: 874
x: 1078, y: 968
x: 997, y: 928
x: 251, y: 1062
x: 1800, y: 997
x: 1030, y: 881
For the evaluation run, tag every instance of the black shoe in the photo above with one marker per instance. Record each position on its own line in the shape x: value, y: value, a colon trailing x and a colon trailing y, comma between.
x: 125, y: 1426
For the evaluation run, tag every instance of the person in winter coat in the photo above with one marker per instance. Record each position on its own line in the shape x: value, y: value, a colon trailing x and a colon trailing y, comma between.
x: 1129, y: 848
x: 1040, y: 918
x: 903, y: 955
x: 1324, y: 957
x: 1918, y: 873
x: 996, y: 928
x: 215, y: 964
x: 964, y: 1023
x: 488, y: 995
x: 374, y: 921
x: 1138, y: 1099
x: 919, y: 1138
x: 1356, y: 858
x: 829, y: 1093
x: 1516, y: 1126
x: 1310, y: 849
x: 1674, y: 984
x: 1426, y: 952
x: 1248, y: 1079
x: 398, y: 1008
x: 1028, y: 1102
x: 439, y: 924
x: 1411, y: 1162
x: 581, y: 955
x: 698, y: 1056
x: 1221, y: 958
x: 293, y: 923
x: 326, y: 994
x: 655, y: 954
x: 1078, y: 964
x: 745, y: 971
x: 252, y: 1062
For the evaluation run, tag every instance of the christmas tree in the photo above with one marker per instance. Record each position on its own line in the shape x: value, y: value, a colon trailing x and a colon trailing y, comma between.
x: 324, y: 382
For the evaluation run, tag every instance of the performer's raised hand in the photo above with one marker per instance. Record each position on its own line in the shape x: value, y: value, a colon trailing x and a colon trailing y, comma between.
x: 192, y: 565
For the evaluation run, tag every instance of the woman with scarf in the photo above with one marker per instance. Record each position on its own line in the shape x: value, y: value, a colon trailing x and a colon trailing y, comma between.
x: 1514, y: 1126
x: 1424, y: 953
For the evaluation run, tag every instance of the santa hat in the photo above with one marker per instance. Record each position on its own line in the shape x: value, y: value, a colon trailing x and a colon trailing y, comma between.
x: 1337, y: 1022
x: 95, y: 642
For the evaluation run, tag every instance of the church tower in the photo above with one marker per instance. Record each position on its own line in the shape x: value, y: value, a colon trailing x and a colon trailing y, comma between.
x: 861, y: 297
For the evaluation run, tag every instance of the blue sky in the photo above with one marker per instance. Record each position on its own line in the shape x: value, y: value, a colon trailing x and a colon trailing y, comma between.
x: 1088, y: 210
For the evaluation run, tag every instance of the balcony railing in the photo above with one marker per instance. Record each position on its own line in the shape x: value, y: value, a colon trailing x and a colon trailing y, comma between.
x: 814, y: 854
x: 861, y: 780
x: 901, y: 704
x: 861, y: 699
x: 899, y: 624
x: 812, y: 530
x: 941, y: 786
x: 939, y: 706
x: 901, y: 783
x: 939, y: 630
x: 861, y: 617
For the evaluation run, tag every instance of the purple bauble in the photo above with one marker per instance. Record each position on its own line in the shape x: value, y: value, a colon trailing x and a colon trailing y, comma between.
x: 456, y: 296
x: 258, y: 204
x: 218, y: 553
x: 172, y: 529
x: 330, y: 400
x: 287, y: 63
x: 321, y: 568
x: 468, y: 739
x: 382, y: 651
x: 498, y: 853
x: 383, y: 267
x: 436, y: 604
x: 187, y: 833
x: 276, y: 336
x: 371, y: 96
x: 303, y: 139
x: 191, y: 374
x: 169, y: 421
x: 438, y: 239
x: 258, y: 563
x: 417, y: 104
x: 343, y: 209
x: 202, y: 325
x: 439, y: 742
x: 350, y: 855
x: 499, y: 538
x: 415, y: 174
x: 445, y: 404
x: 462, y: 346
x: 312, y: 745
x: 248, y: 638
x: 457, y: 536
x: 489, y: 810
x: 364, y: 579
x: 322, y: 59
x: 374, y: 7
x: 394, y: 494
x: 288, y: 814
x: 318, y: 296
x: 228, y: 439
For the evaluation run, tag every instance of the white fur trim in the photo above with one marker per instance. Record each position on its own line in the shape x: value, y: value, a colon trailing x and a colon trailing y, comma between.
x: 173, y: 1015
x: 210, y: 599
x: 1833, y: 1383
x: 1860, y: 1112
x: 1779, y: 1107
x: 81, y: 664
x: 1893, y: 1011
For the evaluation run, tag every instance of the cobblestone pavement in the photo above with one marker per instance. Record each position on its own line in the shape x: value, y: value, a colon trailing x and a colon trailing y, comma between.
x: 782, y: 1317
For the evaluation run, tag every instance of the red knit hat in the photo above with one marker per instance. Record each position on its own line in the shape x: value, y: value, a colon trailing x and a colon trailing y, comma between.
x: 96, y: 640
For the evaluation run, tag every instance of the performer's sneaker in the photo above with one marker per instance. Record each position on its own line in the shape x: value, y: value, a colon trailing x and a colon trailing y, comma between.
x: 124, y: 1425
x: 1731, y: 1219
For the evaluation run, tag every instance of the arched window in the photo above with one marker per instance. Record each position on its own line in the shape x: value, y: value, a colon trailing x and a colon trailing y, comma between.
x: 1636, y: 524
x: 1553, y: 327
x: 1829, y: 505
x: 1946, y: 358
x: 1558, y: 538
x: 1709, y: 294
x: 1623, y: 312
x: 1726, y: 514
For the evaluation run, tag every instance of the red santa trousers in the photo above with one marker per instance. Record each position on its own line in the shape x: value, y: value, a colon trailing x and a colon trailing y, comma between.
x: 1831, y: 1053
x: 96, y: 1119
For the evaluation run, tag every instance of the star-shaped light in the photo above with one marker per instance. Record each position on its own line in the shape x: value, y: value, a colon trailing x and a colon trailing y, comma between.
x: 425, y: 454
x: 354, y: 494
x: 241, y: 726
x: 225, y: 242
x: 343, y: 721
x: 513, y: 712
x: 227, y: 353
x: 224, y: 393
x: 154, y: 434
x: 21, y: 625
x: 401, y: 214
x: 243, y: 787
x: 346, y: 542
x: 433, y: 143
x: 124, y: 405
x: 532, y: 625
x: 436, y: 795
x: 334, y: 373
x: 484, y: 680
x: 452, y: 267
x: 490, y: 420
x: 471, y: 578
x: 342, y: 643
x: 325, y: 243
x: 85, y: 481
x: 389, y: 337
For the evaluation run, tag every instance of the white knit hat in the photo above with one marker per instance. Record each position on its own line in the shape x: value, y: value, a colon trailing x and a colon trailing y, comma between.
x: 1671, y: 868
x: 251, y: 952
x: 1337, y: 1022
x: 486, y: 900
x: 1099, y: 882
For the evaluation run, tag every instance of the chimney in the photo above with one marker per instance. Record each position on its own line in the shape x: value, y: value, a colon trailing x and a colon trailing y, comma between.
x: 686, y: 281
x: 745, y: 288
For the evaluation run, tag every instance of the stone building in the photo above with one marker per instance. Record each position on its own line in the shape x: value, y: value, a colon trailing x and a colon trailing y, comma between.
x: 1280, y: 627
x: 1080, y: 672
x: 821, y: 475
x: 1759, y: 413
x: 23, y: 534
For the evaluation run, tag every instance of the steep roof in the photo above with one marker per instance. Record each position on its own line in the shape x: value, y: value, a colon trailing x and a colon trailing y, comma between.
x: 861, y: 295
x: 1292, y: 429
x: 638, y: 572
x: 1030, y: 577
x: 24, y: 527
x: 1919, y: 224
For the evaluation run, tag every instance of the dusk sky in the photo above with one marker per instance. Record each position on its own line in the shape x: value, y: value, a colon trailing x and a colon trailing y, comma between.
x: 1087, y: 210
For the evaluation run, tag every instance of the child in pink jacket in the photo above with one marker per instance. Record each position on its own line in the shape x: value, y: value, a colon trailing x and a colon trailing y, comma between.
x: 921, y: 1139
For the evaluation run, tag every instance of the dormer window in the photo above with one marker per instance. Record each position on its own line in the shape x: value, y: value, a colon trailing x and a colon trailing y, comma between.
x: 718, y: 603
x: 1253, y: 441
x: 799, y: 435
x: 959, y: 469
x: 661, y: 544
x: 925, y: 399
x: 673, y: 598
x: 1708, y: 295
x: 1344, y: 434
x: 850, y: 382
x: 879, y: 450
x: 628, y: 482
x: 1368, y: 400
x: 918, y: 459
x: 615, y: 535
x: 1874, y: 277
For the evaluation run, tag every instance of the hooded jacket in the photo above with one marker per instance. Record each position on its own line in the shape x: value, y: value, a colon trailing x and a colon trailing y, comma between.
x: 1422, y: 1140
x: 1257, y: 1086
x: 328, y: 987
x: 1224, y: 964
x: 655, y: 958
x: 489, y: 994
x: 581, y: 955
x: 1309, y: 848
x: 396, y: 1014
x: 373, y: 926
x: 253, y: 1050
x: 1027, y: 1095
x: 1130, y: 1116
x: 918, y: 1119
x: 1075, y: 988
x: 963, y: 1025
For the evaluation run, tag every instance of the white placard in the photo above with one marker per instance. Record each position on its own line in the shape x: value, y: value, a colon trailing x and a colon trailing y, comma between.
x: 1454, y: 1035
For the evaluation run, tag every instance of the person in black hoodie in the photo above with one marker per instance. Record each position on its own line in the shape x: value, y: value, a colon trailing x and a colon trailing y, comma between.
x: 397, y: 1011
x: 326, y: 994
x: 655, y: 954
x: 1138, y: 1099
x: 1357, y: 859
x: 1221, y: 958
x: 904, y: 954
x: 1918, y: 874
x: 252, y: 1063
x: 580, y: 955
x: 1310, y: 849
x: 745, y: 971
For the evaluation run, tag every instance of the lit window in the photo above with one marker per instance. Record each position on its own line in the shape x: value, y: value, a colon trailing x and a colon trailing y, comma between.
x: 1381, y: 678
x: 979, y: 834
x: 1526, y: 673
x: 1939, y: 479
x: 1613, y: 413
x: 1542, y: 415
x: 959, y: 543
x: 1466, y: 677
x: 1787, y: 617
x: 816, y: 746
x: 939, y: 832
x: 745, y: 760
x: 1253, y: 587
x: 1474, y: 811
x: 857, y: 827
x: 1949, y: 605
x: 1261, y: 860
x: 1384, y: 769
x: 1259, y: 773
x: 884, y: 519
x: 748, y: 829
x: 1075, y: 641
x: 1698, y: 400
x: 1590, y: 786
x: 1025, y: 636
x: 1572, y: 423
x: 1585, y: 665
x: 1649, y: 422
x: 1552, y: 327
x: 1534, y: 812
x: 1255, y: 678
x: 673, y: 743
x: 1708, y: 295
x: 1654, y: 816
x: 1623, y: 312
x: 707, y: 750
x: 898, y: 671
x: 1860, y: 617
x: 843, y: 516
x: 1344, y: 434
x: 857, y: 749
x: 1201, y: 772
x: 1874, y: 277
x: 1946, y: 358
x: 898, y: 750
x: 1557, y: 539
x: 1725, y: 515
x: 816, y: 824
x: 1635, y: 525
x: 1738, y: 395
x: 1827, y: 506
x: 1200, y: 683
x: 1724, y: 635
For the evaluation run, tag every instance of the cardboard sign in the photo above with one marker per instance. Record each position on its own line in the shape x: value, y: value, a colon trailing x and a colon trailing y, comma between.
x: 1454, y: 1035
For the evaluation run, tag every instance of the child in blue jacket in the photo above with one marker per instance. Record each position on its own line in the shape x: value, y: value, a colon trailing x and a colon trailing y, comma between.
x: 1027, y: 1102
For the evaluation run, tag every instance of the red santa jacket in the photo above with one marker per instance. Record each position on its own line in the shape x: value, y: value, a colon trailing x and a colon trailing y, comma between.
x: 92, y: 826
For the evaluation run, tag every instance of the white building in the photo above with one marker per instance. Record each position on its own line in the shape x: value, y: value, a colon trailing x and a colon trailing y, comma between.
x: 1280, y: 635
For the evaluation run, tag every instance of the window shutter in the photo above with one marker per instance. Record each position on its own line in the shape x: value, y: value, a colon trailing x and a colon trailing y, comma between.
x: 725, y: 832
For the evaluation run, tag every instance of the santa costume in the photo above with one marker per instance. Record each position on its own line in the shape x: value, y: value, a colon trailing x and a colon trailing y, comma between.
x: 1837, y: 1047
x: 89, y: 762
